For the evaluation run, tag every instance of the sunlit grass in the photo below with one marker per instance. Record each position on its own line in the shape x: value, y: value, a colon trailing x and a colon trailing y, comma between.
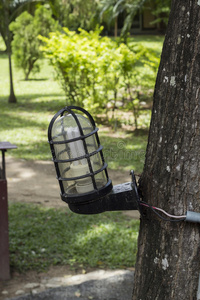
x: 153, y: 42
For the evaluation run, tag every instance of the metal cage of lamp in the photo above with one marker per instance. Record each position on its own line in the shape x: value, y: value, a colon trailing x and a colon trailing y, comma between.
x: 81, y: 168
x: 77, y: 155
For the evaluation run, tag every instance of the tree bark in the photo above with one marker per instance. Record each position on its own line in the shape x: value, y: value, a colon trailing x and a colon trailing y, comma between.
x: 12, y: 98
x: 168, y: 264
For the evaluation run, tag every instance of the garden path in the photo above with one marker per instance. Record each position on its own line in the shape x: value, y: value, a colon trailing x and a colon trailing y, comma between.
x: 35, y: 182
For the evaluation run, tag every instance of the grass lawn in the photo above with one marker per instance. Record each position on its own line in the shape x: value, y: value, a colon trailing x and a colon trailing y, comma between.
x: 154, y: 42
x: 40, y: 237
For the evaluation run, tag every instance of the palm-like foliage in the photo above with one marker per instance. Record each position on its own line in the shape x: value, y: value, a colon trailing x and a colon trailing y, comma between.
x: 132, y: 8
x: 162, y: 11
x: 110, y: 10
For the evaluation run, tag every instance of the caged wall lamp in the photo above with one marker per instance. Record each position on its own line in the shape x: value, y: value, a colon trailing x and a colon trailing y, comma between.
x: 82, y: 171
x: 81, y: 168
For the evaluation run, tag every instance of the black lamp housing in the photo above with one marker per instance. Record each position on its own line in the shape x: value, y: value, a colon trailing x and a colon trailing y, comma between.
x: 81, y: 168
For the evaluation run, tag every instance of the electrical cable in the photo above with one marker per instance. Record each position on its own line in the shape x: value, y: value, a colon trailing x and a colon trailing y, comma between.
x: 171, y: 216
x: 177, y: 218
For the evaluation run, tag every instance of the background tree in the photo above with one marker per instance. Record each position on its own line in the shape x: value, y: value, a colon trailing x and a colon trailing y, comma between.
x: 83, y: 13
x: 4, y: 24
x: 61, y: 10
x: 9, y: 10
x: 161, y: 11
x: 25, y: 44
x: 14, y: 9
x: 168, y: 262
x: 74, y: 13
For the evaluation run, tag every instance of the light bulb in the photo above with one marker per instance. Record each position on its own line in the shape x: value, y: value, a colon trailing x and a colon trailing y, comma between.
x: 79, y: 167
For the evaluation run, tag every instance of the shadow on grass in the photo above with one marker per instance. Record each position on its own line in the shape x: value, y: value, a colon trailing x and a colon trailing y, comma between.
x: 33, y: 150
x: 34, y: 79
x: 42, y: 237
x: 3, y: 54
x: 34, y: 102
x: 138, y: 132
x: 19, y: 122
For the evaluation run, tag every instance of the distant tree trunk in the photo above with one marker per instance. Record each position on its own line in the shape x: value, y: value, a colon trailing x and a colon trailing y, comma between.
x: 12, y: 98
x: 168, y: 261
x: 116, y: 26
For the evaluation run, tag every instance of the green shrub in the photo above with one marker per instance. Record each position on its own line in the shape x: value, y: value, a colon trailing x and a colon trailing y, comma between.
x: 95, y: 70
x: 80, y: 60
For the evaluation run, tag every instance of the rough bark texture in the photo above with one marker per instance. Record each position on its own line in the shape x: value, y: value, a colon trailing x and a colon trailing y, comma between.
x: 168, y: 262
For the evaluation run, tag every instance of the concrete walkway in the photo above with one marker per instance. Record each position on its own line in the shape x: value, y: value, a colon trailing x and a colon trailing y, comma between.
x: 97, y: 285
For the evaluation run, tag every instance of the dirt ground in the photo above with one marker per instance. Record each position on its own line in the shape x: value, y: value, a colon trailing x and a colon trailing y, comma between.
x: 35, y: 182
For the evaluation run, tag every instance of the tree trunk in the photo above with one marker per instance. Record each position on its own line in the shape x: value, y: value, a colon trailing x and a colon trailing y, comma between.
x: 168, y: 264
x: 116, y: 26
x: 12, y: 98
